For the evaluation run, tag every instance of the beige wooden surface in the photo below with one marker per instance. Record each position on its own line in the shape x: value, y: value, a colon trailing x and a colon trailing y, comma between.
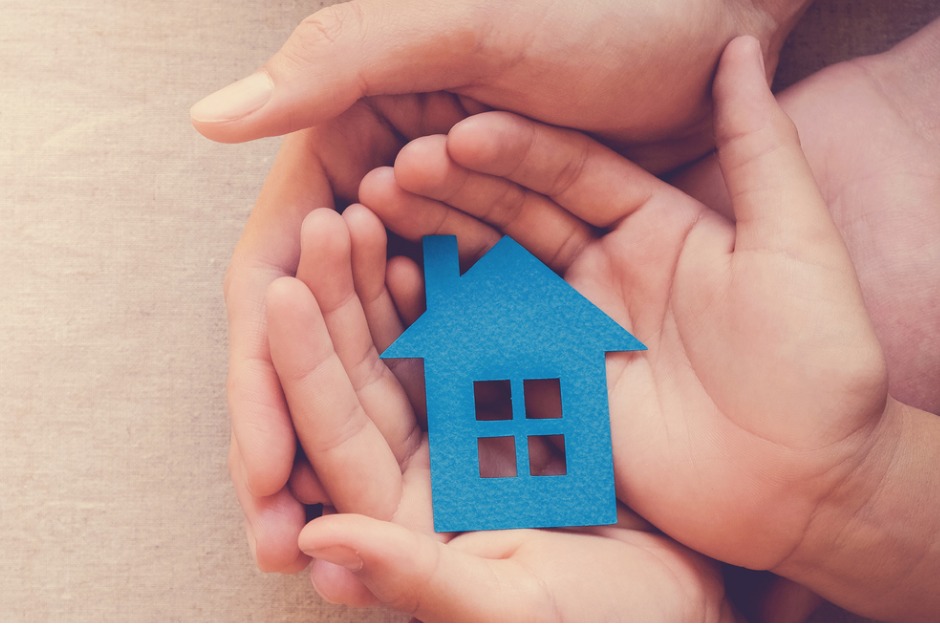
x: 116, y: 224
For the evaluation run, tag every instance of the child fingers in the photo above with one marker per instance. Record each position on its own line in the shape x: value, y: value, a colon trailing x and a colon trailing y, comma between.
x: 368, y: 252
x: 549, y: 231
x: 326, y: 266
x: 589, y: 180
x: 416, y: 573
x: 370, y: 272
x: 406, y: 285
x: 413, y: 216
x: 348, y: 452
x: 776, y: 202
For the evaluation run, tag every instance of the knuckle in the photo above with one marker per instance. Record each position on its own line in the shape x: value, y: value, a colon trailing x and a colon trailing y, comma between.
x: 508, y: 207
x: 324, y: 28
x: 571, y: 171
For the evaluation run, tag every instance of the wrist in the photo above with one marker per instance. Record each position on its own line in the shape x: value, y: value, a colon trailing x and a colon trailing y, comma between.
x: 873, y: 546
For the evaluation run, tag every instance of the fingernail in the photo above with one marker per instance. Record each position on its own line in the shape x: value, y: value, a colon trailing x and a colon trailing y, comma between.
x: 234, y: 101
x: 339, y: 555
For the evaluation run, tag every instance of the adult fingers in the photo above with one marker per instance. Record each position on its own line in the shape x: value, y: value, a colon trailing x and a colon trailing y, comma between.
x: 550, y: 232
x: 349, y: 454
x: 269, y: 248
x: 777, y: 204
x: 344, y: 52
x: 272, y: 522
x: 406, y: 285
x: 589, y: 180
x: 326, y: 267
x: 368, y: 243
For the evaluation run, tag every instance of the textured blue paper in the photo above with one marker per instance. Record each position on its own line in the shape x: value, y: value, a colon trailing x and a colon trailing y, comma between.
x: 509, y: 317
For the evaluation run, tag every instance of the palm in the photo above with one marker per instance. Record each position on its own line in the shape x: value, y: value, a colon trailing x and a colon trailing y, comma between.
x: 555, y: 575
x: 764, y: 381
x: 359, y: 427
x: 867, y: 130
x: 705, y: 406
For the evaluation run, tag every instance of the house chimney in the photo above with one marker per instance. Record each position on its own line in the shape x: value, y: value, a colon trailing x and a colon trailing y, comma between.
x: 441, y: 268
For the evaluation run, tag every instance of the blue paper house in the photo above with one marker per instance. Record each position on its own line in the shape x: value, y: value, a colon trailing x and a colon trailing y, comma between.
x: 511, y: 325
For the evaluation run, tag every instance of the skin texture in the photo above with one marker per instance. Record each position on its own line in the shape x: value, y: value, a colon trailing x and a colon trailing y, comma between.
x: 355, y: 94
x: 762, y: 361
x: 356, y: 422
x: 758, y: 428
x: 763, y: 394
x: 869, y: 130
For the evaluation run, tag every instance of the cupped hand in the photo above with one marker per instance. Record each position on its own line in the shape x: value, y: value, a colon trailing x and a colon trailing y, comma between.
x: 764, y: 385
x: 364, y: 77
x: 357, y: 423
x: 869, y: 130
x: 636, y: 74
x: 319, y: 167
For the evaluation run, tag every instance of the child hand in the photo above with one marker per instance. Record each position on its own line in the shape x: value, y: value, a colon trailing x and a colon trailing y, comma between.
x: 368, y: 460
x: 868, y: 128
x: 759, y: 402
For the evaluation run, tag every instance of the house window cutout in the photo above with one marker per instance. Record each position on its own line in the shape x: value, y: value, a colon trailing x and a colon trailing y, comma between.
x: 509, y: 317
x: 497, y: 457
x: 542, y: 398
x: 493, y: 400
x: 547, y: 456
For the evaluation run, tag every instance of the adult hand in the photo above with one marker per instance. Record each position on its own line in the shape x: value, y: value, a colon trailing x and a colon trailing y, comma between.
x: 757, y: 426
x: 636, y: 74
x: 315, y: 168
x: 869, y: 131
x: 596, y: 66
x: 357, y: 423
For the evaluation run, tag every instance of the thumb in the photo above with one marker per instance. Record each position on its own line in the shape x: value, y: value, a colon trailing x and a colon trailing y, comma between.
x: 416, y: 573
x: 776, y: 202
x: 343, y: 53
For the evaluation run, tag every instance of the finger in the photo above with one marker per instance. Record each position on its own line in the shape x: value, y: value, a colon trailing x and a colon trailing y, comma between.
x: 342, y: 53
x: 777, y: 204
x: 269, y: 248
x: 337, y: 585
x: 413, y: 216
x: 305, y: 485
x: 406, y: 285
x: 272, y: 522
x: 550, y: 232
x: 370, y: 269
x: 348, y: 453
x: 417, y: 574
x: 589, y: 180
x: 368, y: 244
x: 326, y: 267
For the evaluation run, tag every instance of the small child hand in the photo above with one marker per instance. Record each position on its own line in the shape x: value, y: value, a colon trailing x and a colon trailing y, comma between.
x: 359, y: 424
